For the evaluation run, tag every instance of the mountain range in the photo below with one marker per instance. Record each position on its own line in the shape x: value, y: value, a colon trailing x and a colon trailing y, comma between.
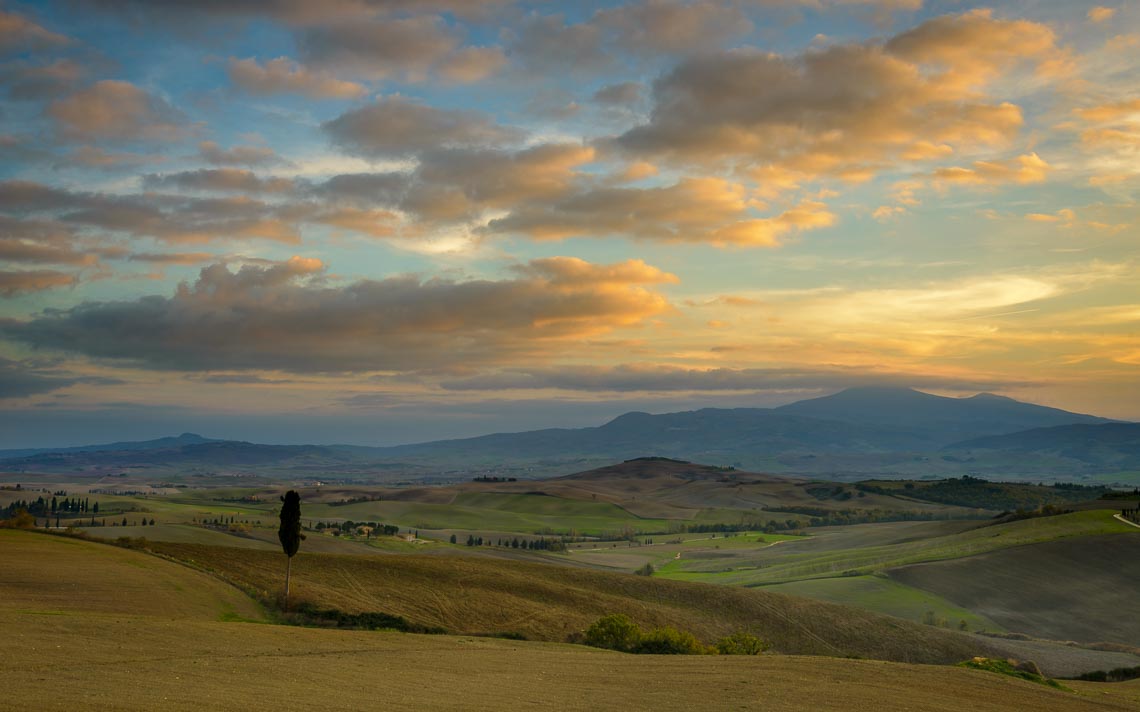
x: 853, y: 433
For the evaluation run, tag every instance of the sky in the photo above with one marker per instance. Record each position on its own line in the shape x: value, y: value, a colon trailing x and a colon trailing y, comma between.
x: 389, y: 221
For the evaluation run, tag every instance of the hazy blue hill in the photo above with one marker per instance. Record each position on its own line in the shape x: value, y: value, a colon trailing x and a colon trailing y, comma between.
x: 936, y: 419
x: 1109, y: 445
x: 156, y: 444
x: 710, y: 432
x: 858, y: 432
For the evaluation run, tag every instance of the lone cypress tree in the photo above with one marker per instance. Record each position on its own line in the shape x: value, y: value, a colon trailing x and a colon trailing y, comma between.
x: 290, y: 533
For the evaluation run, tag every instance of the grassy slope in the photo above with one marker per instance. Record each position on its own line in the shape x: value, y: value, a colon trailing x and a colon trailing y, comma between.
x: 52, y: 575
x: 543, y: 602
x: 144, y: 661
x: 1082, y: 589
x: 882, y: 595
x: 791, y: 565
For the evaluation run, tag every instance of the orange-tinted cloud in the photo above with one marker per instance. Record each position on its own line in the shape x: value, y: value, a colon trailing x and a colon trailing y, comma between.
x: 284, y: 76
x: 1029, y: 168
x: 112, y: 109
x: 850, y: 111
x: 17, y: 282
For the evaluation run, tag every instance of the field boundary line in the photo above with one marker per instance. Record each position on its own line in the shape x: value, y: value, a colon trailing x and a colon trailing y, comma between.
x: 1134, y: 524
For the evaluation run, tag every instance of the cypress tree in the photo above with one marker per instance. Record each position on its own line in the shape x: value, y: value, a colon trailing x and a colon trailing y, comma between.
x: 290, y: 533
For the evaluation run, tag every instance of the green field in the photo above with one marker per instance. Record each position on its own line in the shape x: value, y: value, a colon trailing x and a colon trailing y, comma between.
x: 884, y: 595
x: 788, y: 563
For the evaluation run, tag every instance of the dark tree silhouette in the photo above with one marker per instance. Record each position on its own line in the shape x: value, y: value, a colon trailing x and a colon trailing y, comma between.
x: 290, y: 533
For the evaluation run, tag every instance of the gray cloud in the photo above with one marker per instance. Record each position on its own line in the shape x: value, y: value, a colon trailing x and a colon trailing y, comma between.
x: 228, y: 180
x: 165, y: 217
x: 402, y: 47
x: 654, y: 378
x: 396, y: 126
x: 27, y: 82
x: 214, y: 154
x: 19, y: 380
x: 281, y: 317
x: 620, y: 94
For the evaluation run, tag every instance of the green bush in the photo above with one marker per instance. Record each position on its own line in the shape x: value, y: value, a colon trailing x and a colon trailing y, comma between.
x: 646, y: 570
x: 615, y: 632
x: 741, y: 643
x: 669, y: 641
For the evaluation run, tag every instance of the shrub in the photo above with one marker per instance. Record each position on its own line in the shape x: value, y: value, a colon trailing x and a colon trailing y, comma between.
x: 615, y: 632
x: 669, y: 641
x: 741, y: 643
x: 646, y: 570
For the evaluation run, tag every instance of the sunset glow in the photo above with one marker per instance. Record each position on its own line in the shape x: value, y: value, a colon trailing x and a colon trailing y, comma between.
x: 386, y: 221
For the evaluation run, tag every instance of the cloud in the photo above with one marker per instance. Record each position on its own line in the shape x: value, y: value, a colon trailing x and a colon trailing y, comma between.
x: 40, y: 242
x: 19, y: 282
x: 396, y: 126
x: 172, y: 258
x: 1100, y: 14
x: 214, y: 154
x: 849, y: 111
x: 281, y: 317
x: 404, y: 48
x: 19, y: 34
x: 165, y: 217
x: 674, y: 27
x: 471, y: 64
x: 546, y: 43
x: 619, y: 94
x: 284, y: 76
x: 226, y: 180
x: 1025, y: 169
x: 95, y: 157
x: 37, y: 82
x: 301, y: 13
x: 116, y: 110
x: 658, y: 378
x: 708, y: 210
x: 21, y: 379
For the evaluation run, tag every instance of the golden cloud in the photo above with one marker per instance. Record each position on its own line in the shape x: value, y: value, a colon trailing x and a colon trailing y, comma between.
x: 284, y: 76
x: 1029, y: 168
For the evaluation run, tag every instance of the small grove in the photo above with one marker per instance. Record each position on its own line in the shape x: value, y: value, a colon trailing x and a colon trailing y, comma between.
x: 617, y: 631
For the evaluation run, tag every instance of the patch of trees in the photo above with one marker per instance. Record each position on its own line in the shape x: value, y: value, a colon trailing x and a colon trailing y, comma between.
x: 820, y: 517
x: 306, y: 614
x: 489, y: 478
x: 1134, y: 494
x: 618, y: 632
x: 839, y: 493
x: 1048, y: 510
x: 1121, y: 674
x: 541, y: 544
x: 967, y: 491
x: 350, y: 527
x: 356, y: 500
